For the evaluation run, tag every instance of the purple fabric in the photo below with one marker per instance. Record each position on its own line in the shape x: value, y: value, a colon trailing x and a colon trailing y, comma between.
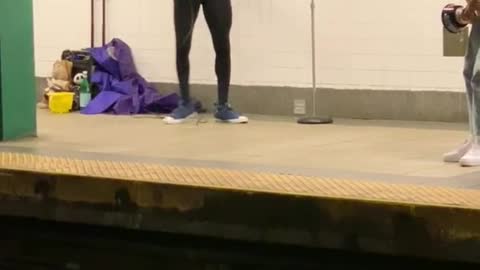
x: 122, y: 90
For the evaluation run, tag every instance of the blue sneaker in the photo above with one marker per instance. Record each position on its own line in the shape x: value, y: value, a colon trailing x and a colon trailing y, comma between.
x: 225, y: 113
x: 183, y: 112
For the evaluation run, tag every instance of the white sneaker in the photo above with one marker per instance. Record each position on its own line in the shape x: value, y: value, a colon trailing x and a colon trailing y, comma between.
x: 472, y: 157
x: 457, y: 154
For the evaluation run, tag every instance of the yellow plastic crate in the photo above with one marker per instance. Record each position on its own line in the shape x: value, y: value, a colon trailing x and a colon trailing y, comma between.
x: 60, y: 102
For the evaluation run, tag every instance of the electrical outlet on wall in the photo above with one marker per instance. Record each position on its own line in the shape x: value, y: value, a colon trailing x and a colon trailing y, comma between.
x: 299, y: 107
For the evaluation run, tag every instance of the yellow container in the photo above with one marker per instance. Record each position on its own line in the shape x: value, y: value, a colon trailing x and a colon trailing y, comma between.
x: 60, y: 102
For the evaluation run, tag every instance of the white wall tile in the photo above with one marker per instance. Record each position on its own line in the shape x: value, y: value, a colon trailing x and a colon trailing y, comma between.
x: 370, y: 44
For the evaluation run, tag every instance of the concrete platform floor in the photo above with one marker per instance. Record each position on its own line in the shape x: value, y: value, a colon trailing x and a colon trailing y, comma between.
x: 403, y: 152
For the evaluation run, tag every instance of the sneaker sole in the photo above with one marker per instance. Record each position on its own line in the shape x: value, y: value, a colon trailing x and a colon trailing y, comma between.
x: 469, y: 164
x: 234, y: 121
x: 171, y: 121
x: 451, y: 159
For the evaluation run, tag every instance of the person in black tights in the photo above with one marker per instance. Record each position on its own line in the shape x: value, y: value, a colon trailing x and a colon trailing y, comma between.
x: 218, y: 14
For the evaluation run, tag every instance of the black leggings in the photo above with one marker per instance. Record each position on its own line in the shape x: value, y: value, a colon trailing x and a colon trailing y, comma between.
x: 218, y: 14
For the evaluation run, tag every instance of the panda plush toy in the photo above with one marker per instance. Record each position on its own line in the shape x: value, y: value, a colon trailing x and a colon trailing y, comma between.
x: 79, y: 77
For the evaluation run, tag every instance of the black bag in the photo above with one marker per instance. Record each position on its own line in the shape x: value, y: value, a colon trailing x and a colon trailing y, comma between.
x: 82, y: 61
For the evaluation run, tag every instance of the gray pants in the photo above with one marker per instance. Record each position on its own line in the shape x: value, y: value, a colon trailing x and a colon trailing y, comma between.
x: 472, y: 78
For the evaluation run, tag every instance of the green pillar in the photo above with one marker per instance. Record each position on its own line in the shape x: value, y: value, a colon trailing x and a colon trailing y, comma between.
x: 17, y: 75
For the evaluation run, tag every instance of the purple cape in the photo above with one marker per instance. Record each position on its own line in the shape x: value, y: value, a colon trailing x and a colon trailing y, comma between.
x: 122, y: 90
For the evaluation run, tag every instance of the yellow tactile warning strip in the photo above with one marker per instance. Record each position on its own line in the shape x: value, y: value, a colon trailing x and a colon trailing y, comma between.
x: 245, y: 181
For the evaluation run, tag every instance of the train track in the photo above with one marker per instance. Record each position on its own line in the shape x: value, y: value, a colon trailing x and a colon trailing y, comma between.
x: 36, y: 245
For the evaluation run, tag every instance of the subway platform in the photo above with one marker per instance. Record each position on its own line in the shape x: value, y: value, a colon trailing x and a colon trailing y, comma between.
x: 367, y: 186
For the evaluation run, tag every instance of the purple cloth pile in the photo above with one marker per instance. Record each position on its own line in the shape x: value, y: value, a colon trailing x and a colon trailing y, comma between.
x: 122, y: 90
